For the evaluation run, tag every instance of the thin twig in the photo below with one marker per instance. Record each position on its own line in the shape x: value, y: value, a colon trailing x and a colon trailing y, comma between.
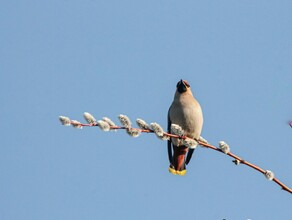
x: 204, y: 144
x: 284, y: 187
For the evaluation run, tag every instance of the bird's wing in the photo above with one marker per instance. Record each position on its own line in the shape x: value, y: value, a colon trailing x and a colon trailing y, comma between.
x: 189, y: 155
x: 169, y: 148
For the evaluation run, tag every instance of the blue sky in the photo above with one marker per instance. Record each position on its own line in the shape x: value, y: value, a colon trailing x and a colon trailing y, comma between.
x: 125, y: 57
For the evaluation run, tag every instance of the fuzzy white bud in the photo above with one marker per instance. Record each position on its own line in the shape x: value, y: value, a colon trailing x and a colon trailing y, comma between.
x: 134, y: 132
x: 65, y: 120
x: 158, y: 130
x: 76, y: 124
x: 89, y: 118
x: 269, y: 175
x: 142, y: 124
x: 224, y: 147
x: 237, y: 162
x: 109, y: 121
x: 165, y: 138
x: 203, y: 140
x: 103, y: 125
x: 190, y: 143
x: 125, y: 121
x: 176, y: 129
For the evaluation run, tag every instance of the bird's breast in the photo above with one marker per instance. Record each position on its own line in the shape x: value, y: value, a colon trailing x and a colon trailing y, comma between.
x: 189, y: 116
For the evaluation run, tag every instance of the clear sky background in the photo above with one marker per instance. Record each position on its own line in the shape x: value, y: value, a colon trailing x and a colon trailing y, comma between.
x: 64, y: 57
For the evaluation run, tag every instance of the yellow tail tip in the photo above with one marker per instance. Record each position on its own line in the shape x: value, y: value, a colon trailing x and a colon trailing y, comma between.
x: 181, y: 173
x: 177, y: 172
x: 172, y: 171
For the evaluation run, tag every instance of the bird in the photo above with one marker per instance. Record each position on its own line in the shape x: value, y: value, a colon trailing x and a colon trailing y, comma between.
x: 186, y: 112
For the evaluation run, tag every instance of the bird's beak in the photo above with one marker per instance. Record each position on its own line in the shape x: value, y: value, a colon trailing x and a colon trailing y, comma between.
x: 181, y: 86
x: 182, y: 82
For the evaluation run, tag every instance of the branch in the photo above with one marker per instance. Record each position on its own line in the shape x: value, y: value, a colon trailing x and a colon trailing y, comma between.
x: 107, y: 124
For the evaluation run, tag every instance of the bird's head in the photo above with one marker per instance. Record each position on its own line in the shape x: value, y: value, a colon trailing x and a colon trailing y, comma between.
x: 182, y: 86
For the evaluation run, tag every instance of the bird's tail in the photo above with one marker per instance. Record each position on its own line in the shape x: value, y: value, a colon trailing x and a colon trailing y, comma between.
x: 178, y: 165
